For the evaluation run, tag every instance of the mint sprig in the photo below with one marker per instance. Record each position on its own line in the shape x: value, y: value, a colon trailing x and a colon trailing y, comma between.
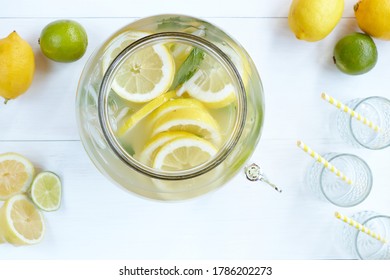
x: 188, y: 68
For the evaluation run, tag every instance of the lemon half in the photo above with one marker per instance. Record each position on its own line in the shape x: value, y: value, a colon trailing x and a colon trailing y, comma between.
x: 21, y: 223
x: 16, y: 174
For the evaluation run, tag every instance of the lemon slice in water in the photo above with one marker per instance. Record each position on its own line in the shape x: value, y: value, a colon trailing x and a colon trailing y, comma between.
x: 144, y: 111
x: 183, y: 153
x: 211, y: 84
x: 16, y: 174
x: 116, y: 46
x: 144, y: 75
x: 192, y: 120
x: 176, y: 104
x: 21, y: 223
x: 148, y: 152
x: 45, y: 191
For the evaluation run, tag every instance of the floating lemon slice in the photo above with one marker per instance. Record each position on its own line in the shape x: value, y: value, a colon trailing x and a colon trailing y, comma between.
x: 183, y: 153
x: 21, y: 223
x: 148, y: 108
x: 192, y: 120
x: 147, y: 154
x: 16, y: 174
x: 211, y: 84
x: 120, y: 43
x: 46, y: 191
x: 144, y: 75
x: 176, y: 104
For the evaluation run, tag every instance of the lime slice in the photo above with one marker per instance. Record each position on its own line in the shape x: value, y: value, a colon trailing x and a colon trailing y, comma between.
x: 45, y: 191
x: 192, y: 120
x: 183, y: 153
x: 211, y: 84
x: 145, y: 74
x: 147, y: 154
x: 16, y: 174
x: 21, y: 223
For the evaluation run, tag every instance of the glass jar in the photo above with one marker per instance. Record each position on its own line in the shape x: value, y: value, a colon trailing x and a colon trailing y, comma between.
x: 99, y: 110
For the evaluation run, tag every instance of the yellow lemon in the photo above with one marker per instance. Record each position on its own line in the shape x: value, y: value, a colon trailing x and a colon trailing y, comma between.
x: 373, y: 17
x: 313, y: 20
x: 16, y: 174
x: 21, y: 223
x: 17, y: 66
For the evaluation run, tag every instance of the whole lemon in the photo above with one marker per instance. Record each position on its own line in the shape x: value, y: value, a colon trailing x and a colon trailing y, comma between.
x: 373, y: 17
x: 313, y: 20
x: 17, y: 66
x: 63, y: 40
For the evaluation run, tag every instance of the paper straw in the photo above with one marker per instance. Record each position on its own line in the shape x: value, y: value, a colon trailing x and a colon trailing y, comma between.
x: 326, y: 163
x: 360, y: 227
x: 349, y: 111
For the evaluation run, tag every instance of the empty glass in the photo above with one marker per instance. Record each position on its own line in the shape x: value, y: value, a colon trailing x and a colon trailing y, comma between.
x: 363, y: 246
x: 377, y: 110
x: 327, y: 186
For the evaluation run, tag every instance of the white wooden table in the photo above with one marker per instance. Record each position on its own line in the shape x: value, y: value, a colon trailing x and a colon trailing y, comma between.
x: 242, y: 220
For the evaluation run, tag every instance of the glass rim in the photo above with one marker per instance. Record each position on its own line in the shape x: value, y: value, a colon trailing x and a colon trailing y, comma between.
x: 223, y: 152
x: 375, y: 216
x: 338, y: 155
x: 351, y: 118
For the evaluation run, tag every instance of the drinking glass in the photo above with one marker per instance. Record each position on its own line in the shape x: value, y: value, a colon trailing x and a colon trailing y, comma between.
x: 329, y: 187
x: 363, y: 246
x: 377, y: 110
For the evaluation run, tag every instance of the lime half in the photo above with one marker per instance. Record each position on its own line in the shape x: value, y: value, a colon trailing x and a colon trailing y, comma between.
x: 46, y: 191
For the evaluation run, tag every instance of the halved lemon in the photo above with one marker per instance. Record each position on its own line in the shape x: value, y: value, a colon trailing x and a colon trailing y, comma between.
x: 21, y: 223
x: 192, y: 120
x: 144, y: 75
x: 16, y: 174
x: 211, y: 84
x: 184, y: 153
x: 147, y: 154
x: 144, y: 111
x: 45, y: 191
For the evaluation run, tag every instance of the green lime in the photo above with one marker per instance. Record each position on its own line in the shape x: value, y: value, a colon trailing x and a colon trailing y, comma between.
x: 355, y: 54
x: 63, y: 41
x: 45, y: 191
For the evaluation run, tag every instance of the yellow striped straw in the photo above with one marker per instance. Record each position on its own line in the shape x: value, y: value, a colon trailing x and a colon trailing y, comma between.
x: 326, y: 163
x: 360, y: 227
x: 349, y: 111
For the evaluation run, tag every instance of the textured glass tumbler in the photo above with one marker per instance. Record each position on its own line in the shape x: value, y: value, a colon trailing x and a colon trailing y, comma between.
x: 363, y: 246
x: 326, y: 185
x: 375, y: 109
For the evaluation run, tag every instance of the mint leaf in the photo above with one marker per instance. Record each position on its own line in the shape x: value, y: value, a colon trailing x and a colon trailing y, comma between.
x: 188, y: 68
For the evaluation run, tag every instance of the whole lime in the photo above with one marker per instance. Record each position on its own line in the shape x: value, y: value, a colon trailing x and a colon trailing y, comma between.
x: 63, y: 41
x: 355, y: 54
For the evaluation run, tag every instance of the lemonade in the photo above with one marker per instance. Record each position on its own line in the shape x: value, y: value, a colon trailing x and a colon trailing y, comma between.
x: 170, y: 107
